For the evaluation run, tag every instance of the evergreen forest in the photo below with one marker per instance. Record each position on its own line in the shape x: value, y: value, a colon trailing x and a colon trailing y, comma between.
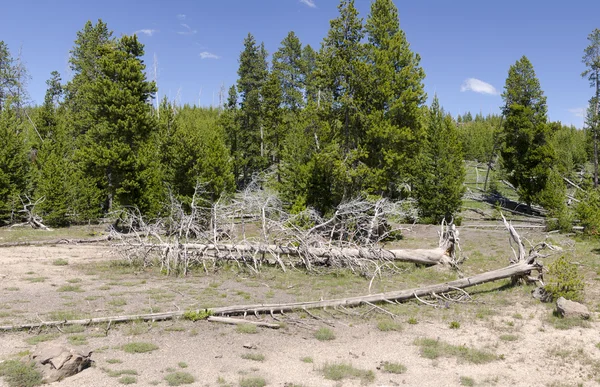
x: 318, y: 127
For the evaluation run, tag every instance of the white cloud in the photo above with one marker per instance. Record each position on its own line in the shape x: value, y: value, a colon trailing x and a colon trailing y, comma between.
x: 478, y: 86
x: 188, y: 30
x: 146, y: 31
x: 310, y: 3
x: 578, y: 112
x: 181, y: 16
x: 208, y: 55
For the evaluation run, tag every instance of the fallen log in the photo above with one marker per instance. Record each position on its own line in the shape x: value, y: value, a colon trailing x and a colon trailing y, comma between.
x: 237, y: 321
x: 433, y: 256
x: 519, y: 269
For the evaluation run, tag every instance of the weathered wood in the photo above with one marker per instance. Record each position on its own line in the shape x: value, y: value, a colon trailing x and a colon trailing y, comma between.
x: 419, y: 256
x: 518, y: 269
x: 237, y: 321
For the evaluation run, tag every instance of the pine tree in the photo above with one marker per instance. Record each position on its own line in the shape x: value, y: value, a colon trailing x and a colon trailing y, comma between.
x: 273, y: 117
x: 309, y: 73
x: 439, y: 187
x: 526, y: 153
x: 252, y: 74
x: 120, y: 120
x: 8, y: 77
x: 396, y: 97
x: 288, y: 66
x: 14, y: 163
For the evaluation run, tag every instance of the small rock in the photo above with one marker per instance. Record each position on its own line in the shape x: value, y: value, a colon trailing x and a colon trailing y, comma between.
x: 249, y: 346
x: 568, y: 308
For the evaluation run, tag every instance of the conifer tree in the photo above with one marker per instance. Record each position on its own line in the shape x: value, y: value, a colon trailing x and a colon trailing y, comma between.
x: 526, y: 153
x: 591, y: 59
x: 252, y: 74
x: 439, y: 188
x: 288, y: 66
x: 396, y: 98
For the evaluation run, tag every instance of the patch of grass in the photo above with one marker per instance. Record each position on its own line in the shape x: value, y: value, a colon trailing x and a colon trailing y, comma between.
x: 253, y: 356
x: 139, y: 347
x: 60, y: 262
x: 509, y: 337
x: 36, y: 279
x: 412, y: 321
x: 70, y: 288
x: 485, y: 312
x: 467, y: 381
x: 324, y: 334
x: 114, y: 361
x: 128, y: 379
x: 454, y: 325
x: 339, y: 371
x: 387, y: 325
x: 40, y: 338
x: 20, y: 374
x: 254, y: 381
x: 565, y: 323
x: 243, y: 294
x: 178, y: 378
x: 77, y: 339
x: 118, y: 302
x: 393, y: 368
x: 307, y: 359
x: 433, y: 349
x: 74, y: 280
x: 12, y: 289
x: 5, y: 314
x: 117, y: 373
x: 246, y: 328
x: 182, y: 364
x: 174, y: 329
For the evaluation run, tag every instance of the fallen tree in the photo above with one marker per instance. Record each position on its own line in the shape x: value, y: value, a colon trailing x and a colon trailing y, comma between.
x: 522, y: 264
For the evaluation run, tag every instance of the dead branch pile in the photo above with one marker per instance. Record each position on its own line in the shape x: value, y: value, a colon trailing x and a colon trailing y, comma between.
x: 253, y: 229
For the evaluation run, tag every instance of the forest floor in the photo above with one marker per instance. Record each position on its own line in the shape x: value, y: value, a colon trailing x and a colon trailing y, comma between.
x: 504, y: 337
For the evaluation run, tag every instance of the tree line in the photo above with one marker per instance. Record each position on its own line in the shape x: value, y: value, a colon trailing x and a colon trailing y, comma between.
x: 319, y: 127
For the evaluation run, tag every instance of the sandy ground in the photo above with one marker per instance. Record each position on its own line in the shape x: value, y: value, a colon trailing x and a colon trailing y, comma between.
x: 539, y: 355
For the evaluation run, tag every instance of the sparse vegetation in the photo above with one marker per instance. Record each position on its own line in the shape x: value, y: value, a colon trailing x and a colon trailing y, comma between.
x: 339, y: 371
x: 393, y: 368
x: 139, y: 347
x: 467, y: 381
x: 454, y: 325
x: 253, y: 356
x: 433, y: 349
x: 60, y: 262
x: 324, y: 334
x: 41, y: 338
x: 308, y: 359
x: 253, y: 381
x: 387, y: 325
x: 195, y: 315
x: 128, y: 379
x: 20, y: 374
x: 246, y: 328
x: 178, y: 378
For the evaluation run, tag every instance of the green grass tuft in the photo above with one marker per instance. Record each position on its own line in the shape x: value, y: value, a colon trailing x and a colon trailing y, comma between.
x: 393, y: 368
x: 254, y: 381
x: 128, y: 379
x: 387, y: 325
x: 20, y: 374
x: 433, y: 349
x: 178, y: 378
x: 139, y: 347
x: 246, y: 328
x: 253, y: 356
x: 324, y: 334
x: 339, y: 371
x: 60, y: 262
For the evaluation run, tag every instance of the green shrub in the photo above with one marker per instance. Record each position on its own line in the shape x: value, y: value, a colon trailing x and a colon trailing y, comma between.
x: 563, y: 280
x: 20, y: 374
x: 253, y: 382
x: 393, y: 368
x: 324, y: 334
x: 178, y: 378
x: 588, y: 212
x: 195, y: 315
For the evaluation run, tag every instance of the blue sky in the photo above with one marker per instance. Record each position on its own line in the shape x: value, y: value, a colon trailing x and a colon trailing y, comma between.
x: 466, y: 46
